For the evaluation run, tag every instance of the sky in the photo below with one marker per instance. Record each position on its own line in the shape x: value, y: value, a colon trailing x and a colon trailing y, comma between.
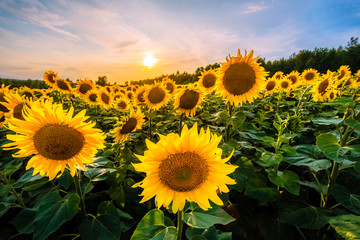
x: 88, y: 38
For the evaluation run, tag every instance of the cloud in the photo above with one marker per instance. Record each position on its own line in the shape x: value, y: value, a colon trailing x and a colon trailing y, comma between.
x: 36, y: 13
x: 251, y: 8
x: 123, y: 45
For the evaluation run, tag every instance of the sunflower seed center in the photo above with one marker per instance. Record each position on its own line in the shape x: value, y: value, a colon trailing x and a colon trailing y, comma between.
x: 105, y: 98
x: 189, y: 99
x: 156, y: 95
x: 183, y: 172
x: 17, y: 112
x: 322, y: 86
x: 239, y: 78
x: 129, y: 126
x: 309, y: 76
x: 62, y: 85
x: 209, y: 80
x: 58, y: 142
x: 270, y: 86
x: 84, y: 87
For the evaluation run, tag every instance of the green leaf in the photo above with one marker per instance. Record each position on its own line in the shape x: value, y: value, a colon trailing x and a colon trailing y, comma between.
x: 35, y: 184
x: 53, y: 212
x: 327, y: 121
x: 357, y: 167
x: 225, y: 118
x: 256, y: 188
x: 241, y: 174
x: 98, y: 174
x: 309, y: 156
x: 270, y: 159
x: 302, y: 215
x: 5, y: 188
x: 23, y: 222
x: 355, y: 151
x: 329, y: 145
x: 10, y: 169
x: 348, y: 200
x: 208, y: 233
x: 288, y: 149
x: 150, y: 225
x: 238, y: 119
x: 102, y: 227
x: 168, y: 233
x: 125, y: 221
x: 287, y: 179
x: 355, y: 124
x: 199, y: 218
x: 26, y: 178
x: 346, y: 226
x: 3, y: 209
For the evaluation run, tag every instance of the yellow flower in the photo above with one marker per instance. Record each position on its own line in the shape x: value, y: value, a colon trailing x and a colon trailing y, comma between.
x: 156, y: 96
x: 50, y: 78
x: 62, y: 86
x: 131, y: 124
x: 83, y: 86
x: 207, y: 80
x: 26, y: 93
x: 104, y: 99
x: 170, y: 85
x: 278, y: 75
x: 121, y: 104
x: 92, y: 97
x: 2, y: 119
x: 187, y: 167
x: 343, y: 72
x: 285, y: 84
x: 294, y: 77
x: 55, y: 138
x: 321, y: 88
x: 271, y: 86
x: 3, y: 92
x: 240, y: 78
x: 332, y: 94
x: 309, y: 76
x: 15, y: 104
x: 188, y: 100
x: 139, y: 95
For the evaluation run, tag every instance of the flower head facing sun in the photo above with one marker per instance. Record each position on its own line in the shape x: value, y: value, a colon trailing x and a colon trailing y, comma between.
x: 241, y: 78
x: 156, y: 96
x: 83, y: 86
x: 188, y: 100
x: 55, y: 137
x: 133, y: 122
x: 207, y: 80
x: 91, y: 97
x: 185, y: 168
x: 50, y: 78
x: 104, y: 99
x: 309, y: 76
x: 62, y: 86
x: 271, y: 86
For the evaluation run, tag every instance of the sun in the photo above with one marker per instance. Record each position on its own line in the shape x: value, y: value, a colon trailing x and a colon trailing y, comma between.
x: 149, y: 61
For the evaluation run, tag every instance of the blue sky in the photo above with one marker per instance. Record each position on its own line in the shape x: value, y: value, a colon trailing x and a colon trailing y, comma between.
x: 86, y: 39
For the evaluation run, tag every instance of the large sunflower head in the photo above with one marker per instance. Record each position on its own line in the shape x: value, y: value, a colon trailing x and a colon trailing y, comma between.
x: 189, y: 99
x: 170, y: 85
x: 271, y: 85
x: 294, y: 77
x: 185, y: 168
x: 156, y: 96
x: 62, y: 86
x: 83, y: 86
x: 104, y: 99
x: 208, y: 79
x: 241, y: 78
x: 55, y: 138
x: 92, y: 97
x: 309, y: 76
x: 50, y: 78
x: 133, y: 122
x: 278, y: 75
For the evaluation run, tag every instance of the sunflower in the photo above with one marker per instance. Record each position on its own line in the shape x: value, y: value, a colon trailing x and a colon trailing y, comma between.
x: 55, y: 138
x: 139, y: 95
x: 278, y: 75
x: 121, y: 104
x: 83, y: 86
x: 170, y: 85
x: 184, y: 168
x: 2, y: 119
x: 241, y: 78
x: 62, y: 86
x: 188, y: 100
x: 15, y: 104
x: 343, y: 72
x: 356, y: 81
x: 320, y: 89
x: 332, y: 94
x: 117, y: 96
x: 130, y: 95
x: 104, y: 99
x: 309, y: 76
x: 294, y: 77
x: 129, y: 125
x: 207, y: 80
x: 92, y: 97
x: 38, y: 93
x: 285, y: 84
x: 271, y: 86
x: 116, y: 88
x: 50, y: 78
x: 156, y: 96
x: 3, y: 92
x: 26, y: 93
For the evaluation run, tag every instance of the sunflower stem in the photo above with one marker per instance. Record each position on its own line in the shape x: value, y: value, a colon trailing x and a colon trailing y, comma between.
x: 78, y: 191
x: 300, y: 100
x: 180, y: 223
x: 228, y: 127
x: 13, y: 191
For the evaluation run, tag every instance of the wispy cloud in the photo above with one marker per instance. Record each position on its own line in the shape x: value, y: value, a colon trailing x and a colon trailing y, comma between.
x: 251, y: 7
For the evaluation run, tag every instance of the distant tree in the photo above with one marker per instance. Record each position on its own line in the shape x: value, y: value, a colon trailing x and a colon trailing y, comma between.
x: 102, y: 81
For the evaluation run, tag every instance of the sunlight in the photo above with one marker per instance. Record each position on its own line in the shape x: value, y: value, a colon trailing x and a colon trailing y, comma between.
x: 149, y: 61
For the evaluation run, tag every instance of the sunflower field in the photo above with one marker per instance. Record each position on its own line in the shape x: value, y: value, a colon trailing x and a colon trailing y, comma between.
x: 236, y: 155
